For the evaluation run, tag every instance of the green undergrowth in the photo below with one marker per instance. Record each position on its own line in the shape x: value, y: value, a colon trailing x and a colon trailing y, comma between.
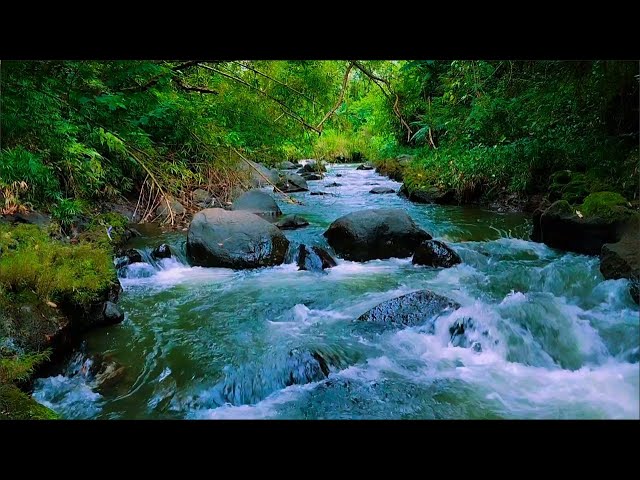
x: 55, y: 271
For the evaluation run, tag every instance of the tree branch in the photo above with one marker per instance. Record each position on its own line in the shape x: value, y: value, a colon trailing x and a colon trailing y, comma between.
x: 345, y: 79
x: 286, y: 110
x: 274, y: 80
x: 189, y: 88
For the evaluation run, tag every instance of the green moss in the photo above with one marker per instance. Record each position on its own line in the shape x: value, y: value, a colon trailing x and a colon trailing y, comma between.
x: 607, y: 205
x: 56, y: 271
x: 97, y: 232
x: 17, y: 405
x: 20, y: 367
x: 561, y: 207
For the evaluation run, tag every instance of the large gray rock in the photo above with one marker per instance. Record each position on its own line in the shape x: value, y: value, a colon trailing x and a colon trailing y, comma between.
x: 162, y: 211
x: 376, y: 233
x: 286, y: 165
x: 259, y: 175
x: 291, y: 182
x: 260, y: 203
x: 112, y: 313
x: 234, y: 239
x: 417, y: 308
x: 434, y: 253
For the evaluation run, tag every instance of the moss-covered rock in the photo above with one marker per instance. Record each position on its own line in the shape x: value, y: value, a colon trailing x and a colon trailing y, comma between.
x: 606, y: 205
x: 562, y: 226
x: 17, y: 405
x: 622, y: 259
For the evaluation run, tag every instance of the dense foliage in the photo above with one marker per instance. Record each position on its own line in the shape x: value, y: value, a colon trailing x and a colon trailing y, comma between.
x: 76, y: 132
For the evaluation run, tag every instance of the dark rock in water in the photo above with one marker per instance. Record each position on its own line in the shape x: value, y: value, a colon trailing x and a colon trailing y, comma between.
x: 429, y: 195
x: 234, y: 239
x: 312, y: 176
x: 457, y: 332
x: 365, y: 166
x: 622, y: 259
x: 314, y: 259
x: 161, y: 251
x: 290, y: 222
x: 416, y: 308
x: 313, y: 166
x: 338, y: 174
x: 561, y: 227
x: 321, y: 193
x: 257, y: 202
x: 128, y: 257
x: 291, y: 182
x: 333, y: 184
x: 434, y: 253
x: 112, y: 313
x: 375, y: 233
x: 381, y: 190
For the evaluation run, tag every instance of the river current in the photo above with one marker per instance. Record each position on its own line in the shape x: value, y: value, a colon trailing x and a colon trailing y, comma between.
x: 551, y: 337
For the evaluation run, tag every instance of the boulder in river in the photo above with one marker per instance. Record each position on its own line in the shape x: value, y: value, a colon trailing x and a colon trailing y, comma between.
x: 321, y: 193
x: 381, y: 190
x: 313, y: 166
x: 375, y: 233
x: 161, y: 251
x: 430, y: 194
x: 287, y: 165
x: 422, y: 307
x: 581, y: 229
x: 434, y: 253
x: 333, y: 184
x: 365, y: 166
x: 112, y: 313
x: 234, y: 239
x: 257, y: 202
x: 622, y: 259
x: 312, y: 176
x: 291, y: 222
x: 259, y: 175
x: 128, y: 257
x: 314, y: 259
x: 291, y: 182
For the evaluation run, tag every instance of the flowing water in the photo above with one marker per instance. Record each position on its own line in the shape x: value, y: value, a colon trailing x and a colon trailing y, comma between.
x: 546, y: 336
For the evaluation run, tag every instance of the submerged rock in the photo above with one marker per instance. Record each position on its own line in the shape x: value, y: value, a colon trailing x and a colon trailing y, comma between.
x: 292, y: 182
x: 416, y: 308
x: 257, y: 202
x: 234, y: 239
x: 290, y: 222
x: 434, y: 253
x: 381, y: 190
x: 322, y: 193
x: 161, y: 251
x: 314, y: 259
x: 333, y: 184
x: 375, y: 233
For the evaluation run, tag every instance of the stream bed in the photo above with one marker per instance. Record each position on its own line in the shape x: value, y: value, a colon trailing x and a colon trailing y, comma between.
x: 550, y: 337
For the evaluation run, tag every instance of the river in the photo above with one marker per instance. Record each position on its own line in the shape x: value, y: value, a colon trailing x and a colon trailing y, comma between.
x: 555, y: 339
